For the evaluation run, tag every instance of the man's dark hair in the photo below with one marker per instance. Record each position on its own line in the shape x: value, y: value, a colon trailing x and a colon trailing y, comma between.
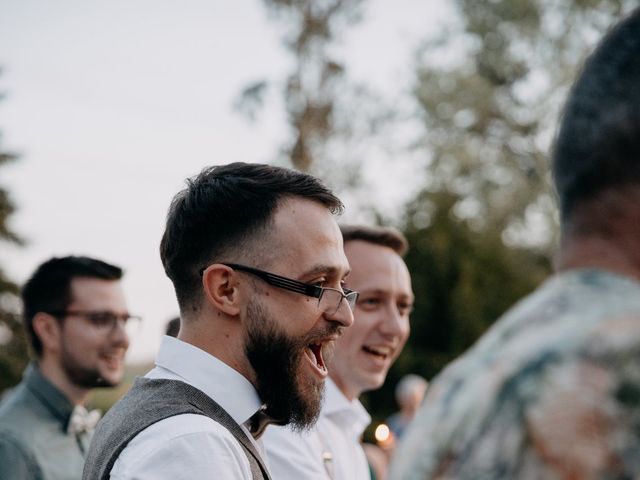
x: 173, y: 327
x: 384, y: 236
x: 221, y: 211
x: 49, y: 288
x: 598, y: 143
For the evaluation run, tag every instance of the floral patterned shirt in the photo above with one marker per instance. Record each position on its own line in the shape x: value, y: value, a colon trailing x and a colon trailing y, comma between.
x: 551, y: 391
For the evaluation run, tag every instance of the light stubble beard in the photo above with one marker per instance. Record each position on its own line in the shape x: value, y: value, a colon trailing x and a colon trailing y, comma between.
x: 83, y: 377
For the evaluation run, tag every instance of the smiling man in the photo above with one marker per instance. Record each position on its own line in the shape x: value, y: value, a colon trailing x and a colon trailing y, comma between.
x: 257, y: 261
x: 75, y: 314
x: 363, y: 356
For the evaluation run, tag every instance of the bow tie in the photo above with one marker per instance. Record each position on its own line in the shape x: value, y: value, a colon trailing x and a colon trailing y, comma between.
x: 82, y: 421
x: 259, y: 421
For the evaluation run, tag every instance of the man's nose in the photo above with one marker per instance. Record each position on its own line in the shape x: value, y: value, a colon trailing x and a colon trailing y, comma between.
x: 343, y: 315
x: 394, y: 323
x: 119, y: 333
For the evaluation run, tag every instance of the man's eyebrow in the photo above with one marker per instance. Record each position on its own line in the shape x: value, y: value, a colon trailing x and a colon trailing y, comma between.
x: 320, y: 269
x: 377, y: 291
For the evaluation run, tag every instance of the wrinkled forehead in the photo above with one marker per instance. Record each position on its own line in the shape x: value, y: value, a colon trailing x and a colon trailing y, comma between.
x: 303, y: 235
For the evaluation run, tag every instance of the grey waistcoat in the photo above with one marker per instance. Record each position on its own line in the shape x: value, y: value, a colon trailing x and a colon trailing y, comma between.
x: 148, y: 402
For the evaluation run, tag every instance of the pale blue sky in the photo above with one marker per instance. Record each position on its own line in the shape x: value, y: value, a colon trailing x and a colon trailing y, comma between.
x: 113, y: 104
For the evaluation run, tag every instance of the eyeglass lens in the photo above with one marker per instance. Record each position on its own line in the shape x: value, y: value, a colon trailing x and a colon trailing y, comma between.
x: 331, y: 300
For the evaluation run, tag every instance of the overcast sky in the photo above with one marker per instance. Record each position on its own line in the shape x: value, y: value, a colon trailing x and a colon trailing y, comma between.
x: 111, y: 105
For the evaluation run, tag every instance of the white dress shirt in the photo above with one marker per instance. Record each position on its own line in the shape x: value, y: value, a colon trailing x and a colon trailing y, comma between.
x: 330, y: 450
x: 191, y: 446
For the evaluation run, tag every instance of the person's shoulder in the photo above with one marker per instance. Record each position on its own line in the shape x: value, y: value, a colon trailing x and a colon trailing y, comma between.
x: 16, y: 458
x: 183, y: 425
x: 566, y: 356
x: 19, y: 412
x: 186, y: 441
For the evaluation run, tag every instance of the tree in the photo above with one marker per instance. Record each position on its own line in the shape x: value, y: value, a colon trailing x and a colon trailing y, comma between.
x: 332, y: 120
x: 463, y: 281
x: 488, y: 92
x: 13, y: 347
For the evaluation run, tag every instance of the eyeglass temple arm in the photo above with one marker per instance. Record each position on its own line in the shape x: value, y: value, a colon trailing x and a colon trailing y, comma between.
x: 281, y: 282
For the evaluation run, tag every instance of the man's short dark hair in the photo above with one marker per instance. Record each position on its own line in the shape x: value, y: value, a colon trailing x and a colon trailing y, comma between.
x: 598, y: 144
x: 49, y: 288
x: 221, y: 211
x: 173, y: 327
x: 384, y: 236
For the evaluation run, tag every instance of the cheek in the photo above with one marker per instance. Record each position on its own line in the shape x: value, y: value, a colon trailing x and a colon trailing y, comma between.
x: 297, y: 322
x: 353, y: 338
x: 406, y: 330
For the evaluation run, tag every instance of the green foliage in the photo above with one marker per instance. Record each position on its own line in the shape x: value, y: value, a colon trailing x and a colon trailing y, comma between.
x: 490, y: 90
x: 463, y: 280
x: 314, y: 85
x: 13, y: 347
x: 331, y: 119
x: 488, y: 94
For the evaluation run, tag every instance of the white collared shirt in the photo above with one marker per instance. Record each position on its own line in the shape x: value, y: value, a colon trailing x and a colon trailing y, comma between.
x: 191, y: 446
x: 330, y: 450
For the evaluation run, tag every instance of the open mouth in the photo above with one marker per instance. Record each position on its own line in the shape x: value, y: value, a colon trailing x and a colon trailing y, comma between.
x: 112, y: 360
x: 314, y: 352
x: 379, y: 352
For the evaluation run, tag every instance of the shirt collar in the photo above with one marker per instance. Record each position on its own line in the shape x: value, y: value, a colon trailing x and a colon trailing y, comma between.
x: 232, y: 391
x: 48, y: 394
x: 349, y: 413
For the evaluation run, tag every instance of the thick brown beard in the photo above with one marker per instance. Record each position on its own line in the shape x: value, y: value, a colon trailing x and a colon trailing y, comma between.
x: 278, y: 361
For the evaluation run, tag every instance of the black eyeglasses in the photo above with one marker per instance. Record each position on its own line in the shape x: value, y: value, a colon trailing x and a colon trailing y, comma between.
x: 329, y: 299
x: 103, y: 321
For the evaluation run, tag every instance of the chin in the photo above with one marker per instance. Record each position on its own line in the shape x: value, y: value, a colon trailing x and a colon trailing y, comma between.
x: 373, y: 383
x: 111, y: 379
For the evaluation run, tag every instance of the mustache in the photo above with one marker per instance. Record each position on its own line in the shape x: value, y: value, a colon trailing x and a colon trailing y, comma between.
x: 329, y: 331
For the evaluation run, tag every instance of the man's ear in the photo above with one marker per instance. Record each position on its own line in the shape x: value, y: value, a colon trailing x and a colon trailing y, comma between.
x: 219, y: 283
x: 49, y: 331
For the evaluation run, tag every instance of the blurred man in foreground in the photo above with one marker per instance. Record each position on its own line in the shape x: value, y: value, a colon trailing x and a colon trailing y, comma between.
x: 551, y: 391
x: 256, y: 259
x: 361, y: 361
x: 75, y: 314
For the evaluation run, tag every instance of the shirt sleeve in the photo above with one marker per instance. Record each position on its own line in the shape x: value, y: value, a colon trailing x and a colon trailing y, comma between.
x: 181, y: 448
x: 15, y: 462
x: 293, y: 456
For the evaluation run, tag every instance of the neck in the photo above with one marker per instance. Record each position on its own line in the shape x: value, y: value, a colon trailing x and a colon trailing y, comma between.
x: 614, y: 252
x: 604, y: 232
x: 53, y: 372
x: 351, y: 393
x: 221, y: 337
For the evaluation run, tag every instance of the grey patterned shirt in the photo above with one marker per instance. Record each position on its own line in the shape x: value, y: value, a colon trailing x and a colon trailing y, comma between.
x: 551, y: 391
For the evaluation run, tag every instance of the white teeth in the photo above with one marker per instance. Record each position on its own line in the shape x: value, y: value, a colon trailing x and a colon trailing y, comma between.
x: 327, y: 351
x: 309, y: 353
x: 379, y: 350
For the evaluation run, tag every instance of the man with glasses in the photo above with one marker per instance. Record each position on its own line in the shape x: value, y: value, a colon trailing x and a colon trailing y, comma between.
x: 75, y: 315
x: 363, y: 356
x: 257, y: 262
